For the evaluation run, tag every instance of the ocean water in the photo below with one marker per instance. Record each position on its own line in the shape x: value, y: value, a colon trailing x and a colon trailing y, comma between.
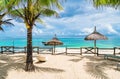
x: 113, y: 41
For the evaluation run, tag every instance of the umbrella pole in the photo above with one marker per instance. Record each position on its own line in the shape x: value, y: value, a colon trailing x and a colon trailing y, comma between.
x: 54, y: 50
x: 95, y: 46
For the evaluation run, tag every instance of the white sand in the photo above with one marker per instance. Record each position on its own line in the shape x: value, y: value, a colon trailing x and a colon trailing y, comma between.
x: 59, y: 67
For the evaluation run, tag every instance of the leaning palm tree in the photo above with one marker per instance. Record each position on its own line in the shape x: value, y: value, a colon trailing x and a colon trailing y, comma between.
x: 31, y: 11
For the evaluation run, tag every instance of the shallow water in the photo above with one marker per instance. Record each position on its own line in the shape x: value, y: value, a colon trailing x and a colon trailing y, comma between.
x: 113, y: 41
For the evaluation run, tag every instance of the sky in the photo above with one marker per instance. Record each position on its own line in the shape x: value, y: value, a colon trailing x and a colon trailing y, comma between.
x: 79, y: 17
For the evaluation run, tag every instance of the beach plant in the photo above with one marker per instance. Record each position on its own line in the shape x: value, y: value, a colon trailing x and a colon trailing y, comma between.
x: 31, y: 11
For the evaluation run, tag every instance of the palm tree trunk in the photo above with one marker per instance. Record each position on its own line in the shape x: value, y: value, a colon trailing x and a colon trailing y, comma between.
x: 29, y: 60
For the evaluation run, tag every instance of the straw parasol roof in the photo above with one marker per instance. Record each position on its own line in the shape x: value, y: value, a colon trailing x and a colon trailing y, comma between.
x: 54, y: 42
x: 95, y: 36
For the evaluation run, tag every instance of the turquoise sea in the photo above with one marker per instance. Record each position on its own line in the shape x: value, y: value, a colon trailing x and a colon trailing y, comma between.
x: 113, y: 41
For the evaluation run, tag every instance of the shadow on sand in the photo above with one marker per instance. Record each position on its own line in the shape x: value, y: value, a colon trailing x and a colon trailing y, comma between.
x: 7, y: 63
x: 97, y: 66
x: 48, y: 69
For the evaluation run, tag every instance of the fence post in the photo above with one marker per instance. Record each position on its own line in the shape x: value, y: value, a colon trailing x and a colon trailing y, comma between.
x: 38, y: 50
x: 52, y: 50
x: 66, y: 50
x: 13, y: 49
x: 80, y: 50
x: 97, y: 51
x: 114, y: 50
x: 25, y: 48
x: 1, y: 49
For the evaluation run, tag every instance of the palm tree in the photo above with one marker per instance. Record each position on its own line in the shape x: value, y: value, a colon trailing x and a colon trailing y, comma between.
x: 111, y: 3
x: 31, y: 11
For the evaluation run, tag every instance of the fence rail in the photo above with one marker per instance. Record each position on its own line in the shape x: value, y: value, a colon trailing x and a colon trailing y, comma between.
x: 91, y: 50
x: 80, y: 50
x: 14, y: 49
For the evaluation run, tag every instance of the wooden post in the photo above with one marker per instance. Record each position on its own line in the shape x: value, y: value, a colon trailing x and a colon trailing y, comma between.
x: 66, y: 50
x: 81, y: 51
x: 114, y: 50
x: 38, y: 50
x: 52, y: 51
x: 13, y: 49
x: 2, y: 50
x: 25, y: 49
x: 97, y: 52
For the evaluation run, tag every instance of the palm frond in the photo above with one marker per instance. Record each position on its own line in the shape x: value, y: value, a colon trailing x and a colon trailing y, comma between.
x: 8, y: 23
x: 57, y: 4
x: 17, y: 13
x: 43, y: 2
x: 111, y: 3
x: 40, y: 21
x: 1, y: 28
x: 5, y: 22
x: 48, y: 12
x: 2, y: 15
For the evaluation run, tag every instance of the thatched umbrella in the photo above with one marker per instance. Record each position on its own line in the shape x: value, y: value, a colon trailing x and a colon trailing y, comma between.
x: 95, y: 36
x: 54, y: 42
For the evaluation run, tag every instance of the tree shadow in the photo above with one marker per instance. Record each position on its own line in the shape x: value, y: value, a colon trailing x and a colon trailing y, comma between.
x: 117, y: 69
x: 71, y: 55
x: 94, y: 58
x: 48, y: 69
x: 97, y: 66
x: 40, y: 62
x: 95, y: 70
x: 7, y: 63
x: 75, y: 60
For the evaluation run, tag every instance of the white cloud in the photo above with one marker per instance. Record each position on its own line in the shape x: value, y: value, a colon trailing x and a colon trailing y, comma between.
x: 110, y: 29
x: 78, y: 18
x: 87, y: 30
x: 37, y: 31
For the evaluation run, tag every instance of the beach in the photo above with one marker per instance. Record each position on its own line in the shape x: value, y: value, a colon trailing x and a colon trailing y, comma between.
x: 82, y: 42
x: 59, y: 66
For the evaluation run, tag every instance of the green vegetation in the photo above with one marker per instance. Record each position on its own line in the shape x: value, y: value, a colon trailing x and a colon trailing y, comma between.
x: 108, y: 3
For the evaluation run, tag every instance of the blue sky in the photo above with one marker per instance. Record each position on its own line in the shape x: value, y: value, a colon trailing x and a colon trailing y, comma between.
x: 78, y: 18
